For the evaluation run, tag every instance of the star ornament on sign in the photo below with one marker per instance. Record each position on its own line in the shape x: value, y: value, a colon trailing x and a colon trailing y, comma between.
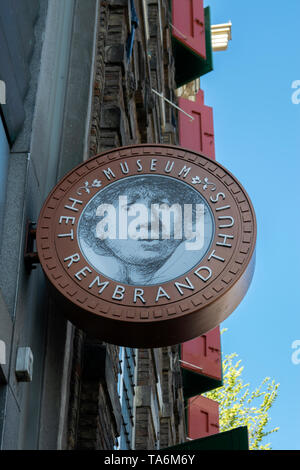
x: 205, y: 182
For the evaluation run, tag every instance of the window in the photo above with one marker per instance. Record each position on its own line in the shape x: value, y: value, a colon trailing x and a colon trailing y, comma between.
x: 126, y: 385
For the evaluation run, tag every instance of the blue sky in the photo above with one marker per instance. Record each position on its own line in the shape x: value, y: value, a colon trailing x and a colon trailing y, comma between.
x: 257, y: 137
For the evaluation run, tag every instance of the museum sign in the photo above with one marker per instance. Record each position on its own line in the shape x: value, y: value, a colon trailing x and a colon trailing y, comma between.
x: 147, y: 245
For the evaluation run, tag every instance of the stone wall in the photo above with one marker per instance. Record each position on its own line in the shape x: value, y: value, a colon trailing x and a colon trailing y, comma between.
x: 126, y: 111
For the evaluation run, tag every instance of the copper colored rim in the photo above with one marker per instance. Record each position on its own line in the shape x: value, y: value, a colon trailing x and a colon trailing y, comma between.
x: 188, y: 313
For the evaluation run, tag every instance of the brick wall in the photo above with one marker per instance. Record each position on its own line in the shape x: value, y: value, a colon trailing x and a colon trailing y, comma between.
x: 125, y: 111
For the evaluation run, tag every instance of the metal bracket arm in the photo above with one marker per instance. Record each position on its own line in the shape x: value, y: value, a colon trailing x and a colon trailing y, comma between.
x: 31, y: 258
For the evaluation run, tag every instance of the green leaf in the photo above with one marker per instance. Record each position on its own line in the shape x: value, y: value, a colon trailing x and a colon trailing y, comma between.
x: 240, y: 406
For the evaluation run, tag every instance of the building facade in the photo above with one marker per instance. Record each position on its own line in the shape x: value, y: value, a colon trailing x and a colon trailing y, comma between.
x: 81, y: 78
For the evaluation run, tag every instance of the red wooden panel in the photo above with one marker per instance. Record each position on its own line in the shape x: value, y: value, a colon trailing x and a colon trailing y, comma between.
x: 197, y: 134
x: 203, y: 354
x: 189, y: 24
x: 203, y: 417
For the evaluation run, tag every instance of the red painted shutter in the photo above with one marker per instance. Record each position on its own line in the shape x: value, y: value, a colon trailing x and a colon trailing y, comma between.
x: 197, y: 134
x: 203, y: 417
x: 203, y: 354
x: 189, y: 24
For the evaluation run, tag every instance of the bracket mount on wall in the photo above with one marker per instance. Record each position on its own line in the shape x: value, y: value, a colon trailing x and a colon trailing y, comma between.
x: 31, y: 258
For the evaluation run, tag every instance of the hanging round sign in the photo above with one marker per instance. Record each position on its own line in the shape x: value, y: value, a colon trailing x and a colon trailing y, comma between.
x: 147, y: 245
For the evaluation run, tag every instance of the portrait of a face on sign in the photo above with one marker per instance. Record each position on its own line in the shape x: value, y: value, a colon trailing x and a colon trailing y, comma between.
x: 147, y: 245
x: 145, y: 230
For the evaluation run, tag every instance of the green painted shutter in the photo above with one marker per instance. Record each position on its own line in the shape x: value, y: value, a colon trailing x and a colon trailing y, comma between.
x: 236, y: 439
x: 188, y: 64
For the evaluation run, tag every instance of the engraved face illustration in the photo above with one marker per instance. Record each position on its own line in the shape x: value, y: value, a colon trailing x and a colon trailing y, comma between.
x: 144, y: 230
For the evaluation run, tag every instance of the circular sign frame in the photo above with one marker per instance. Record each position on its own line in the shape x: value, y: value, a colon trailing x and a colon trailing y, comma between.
x: 161, y: 313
